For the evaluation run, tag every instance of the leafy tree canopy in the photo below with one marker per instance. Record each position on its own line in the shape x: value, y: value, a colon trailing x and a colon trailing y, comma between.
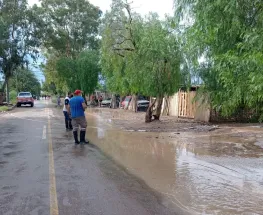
x: 227, y: 33
x: 25, y: 81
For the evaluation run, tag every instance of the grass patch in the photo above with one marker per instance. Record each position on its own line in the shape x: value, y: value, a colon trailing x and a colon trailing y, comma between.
x: 3, y: 108
x: 13, y: 101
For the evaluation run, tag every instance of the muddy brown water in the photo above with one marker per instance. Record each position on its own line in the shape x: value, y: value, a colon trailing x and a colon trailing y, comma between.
x: 200, y: 173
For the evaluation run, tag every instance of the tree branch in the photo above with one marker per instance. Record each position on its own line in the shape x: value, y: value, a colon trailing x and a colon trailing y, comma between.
x: 120, y: 54
x: 119, y: 43
x: 128, y: 9
x: 123, y: 49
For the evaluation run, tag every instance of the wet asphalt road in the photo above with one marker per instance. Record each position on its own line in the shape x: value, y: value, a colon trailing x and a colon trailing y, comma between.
x: 85, y: 181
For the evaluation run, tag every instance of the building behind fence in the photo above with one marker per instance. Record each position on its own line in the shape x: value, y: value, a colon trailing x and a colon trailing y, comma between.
x: 184, y: 104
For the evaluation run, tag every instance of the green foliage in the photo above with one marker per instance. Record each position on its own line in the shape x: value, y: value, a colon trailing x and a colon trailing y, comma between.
x: 70, y: 37
x: 88, y: 70
x: 118, y: 42
x: 81, y: 72
x: 139, y: 55
x: 13, y: 95
x: 68, y: 26
x: 228, y: 34
x: 157, y: 60
x: 53, y: 80
x: 18, y: 40
x: 3, y: 108
x: 25, y: 80
x: 67, y: 72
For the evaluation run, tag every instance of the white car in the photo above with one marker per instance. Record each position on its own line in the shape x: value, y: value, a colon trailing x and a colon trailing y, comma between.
x: 106, y: 102
x: 142, y: 105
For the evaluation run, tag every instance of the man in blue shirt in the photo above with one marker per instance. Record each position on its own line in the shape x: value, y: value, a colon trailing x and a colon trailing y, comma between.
x: 77, y: 108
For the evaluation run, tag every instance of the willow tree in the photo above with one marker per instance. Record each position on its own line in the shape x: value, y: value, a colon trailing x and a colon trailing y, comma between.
x: 140, y: 56
x: 227, y: 34
x: 118, y: 47
x: 157, y: 62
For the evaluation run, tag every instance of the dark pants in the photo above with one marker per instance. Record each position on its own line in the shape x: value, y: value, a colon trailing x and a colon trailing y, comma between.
x: 67, y: 120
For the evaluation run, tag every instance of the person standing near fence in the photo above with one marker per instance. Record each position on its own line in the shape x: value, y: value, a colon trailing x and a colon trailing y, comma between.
x: 100, y: 100
x: 77, y: 108
x: 68, y: 123
x: 58, y: 101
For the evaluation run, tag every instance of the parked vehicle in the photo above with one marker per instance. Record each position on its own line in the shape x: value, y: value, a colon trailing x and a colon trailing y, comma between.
x: 125, y: 103
x: 25, y: 98
x: 106, y: 102
x: 142, y: 103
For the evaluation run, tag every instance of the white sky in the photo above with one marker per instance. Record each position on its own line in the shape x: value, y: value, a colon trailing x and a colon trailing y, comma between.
x: 143, y: 7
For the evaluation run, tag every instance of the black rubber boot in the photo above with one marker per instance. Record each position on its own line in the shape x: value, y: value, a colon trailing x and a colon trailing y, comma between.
x: 75, y: 134
x: 66, y: 123
x: 82, y: 137
x: 70, y: 125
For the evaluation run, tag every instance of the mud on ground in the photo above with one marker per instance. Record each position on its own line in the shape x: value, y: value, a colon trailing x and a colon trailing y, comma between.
x: 200, y: 168
x: 130, y: 121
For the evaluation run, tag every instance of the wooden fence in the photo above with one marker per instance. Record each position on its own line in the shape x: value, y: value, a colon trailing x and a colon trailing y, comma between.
x: 187, y: 105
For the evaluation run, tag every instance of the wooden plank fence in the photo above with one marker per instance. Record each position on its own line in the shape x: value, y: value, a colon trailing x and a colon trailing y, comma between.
x: 187, y: 106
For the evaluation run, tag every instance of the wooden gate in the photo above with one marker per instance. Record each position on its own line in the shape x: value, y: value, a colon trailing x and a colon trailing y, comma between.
x: 187, y: 106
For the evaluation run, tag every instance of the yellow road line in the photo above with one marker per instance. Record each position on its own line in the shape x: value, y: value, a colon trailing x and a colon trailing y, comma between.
x: 52, y: 175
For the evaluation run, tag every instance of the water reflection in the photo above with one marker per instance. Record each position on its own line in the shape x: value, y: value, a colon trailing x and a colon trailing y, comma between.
x: 203, y: 175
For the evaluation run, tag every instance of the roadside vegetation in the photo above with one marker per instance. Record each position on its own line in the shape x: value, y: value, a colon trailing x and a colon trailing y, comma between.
x: 3, y: 108
x: 216, y: 41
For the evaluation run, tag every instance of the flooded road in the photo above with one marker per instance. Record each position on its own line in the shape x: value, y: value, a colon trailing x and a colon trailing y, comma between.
x: 42, y: 172
x: 200, y: 173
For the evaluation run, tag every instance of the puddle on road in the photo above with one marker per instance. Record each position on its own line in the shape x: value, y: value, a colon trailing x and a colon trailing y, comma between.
x: 200, y: 174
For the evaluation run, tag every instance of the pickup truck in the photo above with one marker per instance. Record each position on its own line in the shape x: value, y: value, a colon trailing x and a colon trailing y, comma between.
x: 25, y: 98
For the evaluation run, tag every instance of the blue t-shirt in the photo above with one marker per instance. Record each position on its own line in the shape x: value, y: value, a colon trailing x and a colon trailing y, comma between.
x: 76, y: 108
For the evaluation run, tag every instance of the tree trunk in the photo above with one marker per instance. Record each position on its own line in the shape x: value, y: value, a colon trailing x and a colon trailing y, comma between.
x: 158, y: 111
x: 149, y: 112
x: 3, y: 86
x: 166, y: 106
x: 133, y: 103
x: 88, y: 97
x: 113, y: 101
x: 84, y: 97
x: 7, y: 90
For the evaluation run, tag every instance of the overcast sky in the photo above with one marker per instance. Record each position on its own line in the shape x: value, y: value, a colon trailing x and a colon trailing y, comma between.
x: 143, y: 7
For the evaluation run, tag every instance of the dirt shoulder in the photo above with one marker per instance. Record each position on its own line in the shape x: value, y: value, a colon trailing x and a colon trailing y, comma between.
x: 130, y: 121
